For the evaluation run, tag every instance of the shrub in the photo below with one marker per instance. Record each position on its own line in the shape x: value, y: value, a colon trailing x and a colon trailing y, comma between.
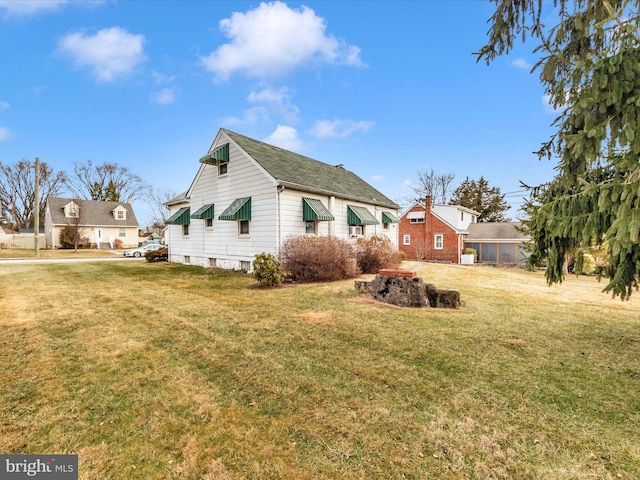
x: 376, y: 252
x: 318, y: 259
x: 585, y: 264
x: 268, y: 270
x: 117, y: 244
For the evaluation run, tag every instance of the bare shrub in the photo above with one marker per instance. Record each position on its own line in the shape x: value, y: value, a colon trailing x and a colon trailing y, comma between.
x: 376, y: 252
x: 318, y: 259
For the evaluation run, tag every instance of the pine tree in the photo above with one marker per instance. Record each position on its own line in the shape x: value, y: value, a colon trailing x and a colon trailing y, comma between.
x: 589, y: 66
x: 478, y: 196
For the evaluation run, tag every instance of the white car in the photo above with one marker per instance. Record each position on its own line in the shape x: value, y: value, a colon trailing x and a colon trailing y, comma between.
x: 140, y: 251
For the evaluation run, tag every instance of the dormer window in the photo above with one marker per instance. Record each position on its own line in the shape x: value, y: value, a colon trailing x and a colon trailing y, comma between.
x: 120, y: 213
x: 71, y: 210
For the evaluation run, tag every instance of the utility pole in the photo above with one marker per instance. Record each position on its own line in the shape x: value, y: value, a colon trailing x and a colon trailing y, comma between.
x: 36, y: 213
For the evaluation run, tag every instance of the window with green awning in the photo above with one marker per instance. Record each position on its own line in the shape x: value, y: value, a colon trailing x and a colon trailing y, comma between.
x: 181, y: 217
x: 314, y: 210
x: 220, y: 154
x: 388, y: 217
x: 204, y: 212
x: 360, y: 216
x: 240, y: 209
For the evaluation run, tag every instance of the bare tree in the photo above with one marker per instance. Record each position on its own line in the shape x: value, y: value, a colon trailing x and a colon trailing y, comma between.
x: 435, y: 185
x: 106, y: 182
x: 157, y: 200
x: 17, y: 190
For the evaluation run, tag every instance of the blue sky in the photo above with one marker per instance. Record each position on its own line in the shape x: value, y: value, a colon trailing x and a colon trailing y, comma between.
x: 387, y: 88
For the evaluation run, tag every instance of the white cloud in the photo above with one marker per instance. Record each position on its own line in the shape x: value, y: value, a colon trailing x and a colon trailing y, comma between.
x: 161, y: 77
x: 5, y: 134
x: 3, y: 105
x: 277, y: 101
x: 164, y: 97
x: 25, y: 8
x: 110, y: 53
x: 521, y: 63
x: 250, y: 116
x: 339, y: 128
x: 286, y: 137
x: 273, y: 39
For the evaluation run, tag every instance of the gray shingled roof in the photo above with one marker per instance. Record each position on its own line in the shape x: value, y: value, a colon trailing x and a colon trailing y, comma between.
x: 495, y: 231
x: 92, y: 213
x: 297, y: 171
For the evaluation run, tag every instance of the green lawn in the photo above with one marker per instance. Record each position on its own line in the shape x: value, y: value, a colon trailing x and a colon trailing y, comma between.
x: 155, y: 371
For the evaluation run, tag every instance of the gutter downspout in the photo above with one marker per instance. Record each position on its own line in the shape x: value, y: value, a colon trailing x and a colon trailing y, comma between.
x: 279, y: 190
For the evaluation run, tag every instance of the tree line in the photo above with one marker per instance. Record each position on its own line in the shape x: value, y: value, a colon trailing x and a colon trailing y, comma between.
x: 88, y: 181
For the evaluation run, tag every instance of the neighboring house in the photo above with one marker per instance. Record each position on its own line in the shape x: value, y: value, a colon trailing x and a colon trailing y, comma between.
x: 497, y: 242
x: 248, y: 197
x: 100, y: 223
x: 435, y: 232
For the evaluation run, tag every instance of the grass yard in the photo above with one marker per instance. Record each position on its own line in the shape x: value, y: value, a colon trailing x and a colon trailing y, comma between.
x: 160, y: 371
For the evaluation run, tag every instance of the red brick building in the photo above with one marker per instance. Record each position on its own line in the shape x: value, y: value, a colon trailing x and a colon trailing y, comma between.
x: 434, y: 232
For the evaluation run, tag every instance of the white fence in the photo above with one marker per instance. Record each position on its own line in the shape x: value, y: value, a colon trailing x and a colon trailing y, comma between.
x: 24, y: 241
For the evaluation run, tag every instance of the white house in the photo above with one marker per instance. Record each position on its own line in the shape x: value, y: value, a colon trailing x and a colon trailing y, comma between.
x: 248, y: 197
x: 100, y: 223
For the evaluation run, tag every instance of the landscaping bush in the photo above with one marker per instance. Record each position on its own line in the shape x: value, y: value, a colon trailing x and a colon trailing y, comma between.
x: 268, y: 270
x: 318, y: 259
x: 376, y: 252
x: 585, y: 264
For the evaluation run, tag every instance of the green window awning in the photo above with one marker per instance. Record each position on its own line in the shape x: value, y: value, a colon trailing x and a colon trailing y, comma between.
x: 204, y: 212
x: 240, y: 209
x: 220, y: 154
x: 388, y: 217
x: 360, y: 216
x: 313, y: 209
x: 181, y: 217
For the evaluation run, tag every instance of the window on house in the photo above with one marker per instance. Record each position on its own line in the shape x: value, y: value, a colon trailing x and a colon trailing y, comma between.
x: 406, y: 239
x: 416, y: 220
x: 185, y: 230
x: 122, y: 232
x: 310, y: 227
x: 120, y: 214
x: 243, y: 227
x: 187, y: 259
x: 208, y: 222
x: 245, y: 266
x: 223, y: 167
x: 213, y: 262
x: 461, y: 216
x: 356, y: 230
x: 438, y: 242
x: 73, y: 211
